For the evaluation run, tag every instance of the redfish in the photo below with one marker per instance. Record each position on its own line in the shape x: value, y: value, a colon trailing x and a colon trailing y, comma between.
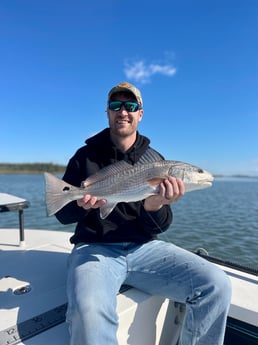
x: 122, y: 182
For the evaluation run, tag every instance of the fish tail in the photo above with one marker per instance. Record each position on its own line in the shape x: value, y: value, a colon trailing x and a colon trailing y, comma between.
x: 56, y: 197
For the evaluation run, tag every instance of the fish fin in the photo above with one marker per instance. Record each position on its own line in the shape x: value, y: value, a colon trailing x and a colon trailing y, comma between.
x: 106, y: 171
x: 149, y: 156
x: 55, y: 195
x: 106, y: 209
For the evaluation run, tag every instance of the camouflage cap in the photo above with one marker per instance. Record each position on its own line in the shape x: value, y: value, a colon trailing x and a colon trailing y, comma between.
x: 125, y: 86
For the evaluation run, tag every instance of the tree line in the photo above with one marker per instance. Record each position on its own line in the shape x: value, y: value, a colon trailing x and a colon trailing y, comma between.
x: 30, y: 168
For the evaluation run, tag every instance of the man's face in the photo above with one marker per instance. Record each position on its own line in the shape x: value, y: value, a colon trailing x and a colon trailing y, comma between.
x: 124, y: 123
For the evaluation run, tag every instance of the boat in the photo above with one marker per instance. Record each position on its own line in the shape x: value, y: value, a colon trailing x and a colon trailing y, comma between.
x: 33, y: 294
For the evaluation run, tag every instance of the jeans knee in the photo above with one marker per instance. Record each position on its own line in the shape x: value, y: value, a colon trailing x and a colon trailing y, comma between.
x: 93, y: 310
x: 223, y: 287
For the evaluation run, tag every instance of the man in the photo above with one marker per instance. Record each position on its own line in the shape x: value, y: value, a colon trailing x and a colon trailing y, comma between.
x: 123, y: 249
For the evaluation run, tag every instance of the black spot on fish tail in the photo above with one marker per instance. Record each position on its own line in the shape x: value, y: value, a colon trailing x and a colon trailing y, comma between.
x: 66, y: 189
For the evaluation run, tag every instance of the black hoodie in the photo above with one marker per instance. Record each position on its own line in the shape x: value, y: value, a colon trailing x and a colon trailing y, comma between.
x: 128, y: 222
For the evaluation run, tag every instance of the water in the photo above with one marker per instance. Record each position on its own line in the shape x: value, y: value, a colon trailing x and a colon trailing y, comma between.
x: 222, y: 219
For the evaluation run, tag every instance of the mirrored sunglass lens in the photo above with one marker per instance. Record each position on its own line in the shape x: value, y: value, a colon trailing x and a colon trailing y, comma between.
x: 131, y: 106
x: 115, y: 105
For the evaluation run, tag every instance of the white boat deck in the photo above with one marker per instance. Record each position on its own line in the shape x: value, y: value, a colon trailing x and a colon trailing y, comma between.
x: 40, y: 266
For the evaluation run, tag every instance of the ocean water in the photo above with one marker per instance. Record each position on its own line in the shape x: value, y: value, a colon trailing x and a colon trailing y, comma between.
x: 222, y: 219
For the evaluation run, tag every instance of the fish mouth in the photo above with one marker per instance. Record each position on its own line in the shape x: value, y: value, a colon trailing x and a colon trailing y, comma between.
x: 207, y: 182
x: 206, y: 179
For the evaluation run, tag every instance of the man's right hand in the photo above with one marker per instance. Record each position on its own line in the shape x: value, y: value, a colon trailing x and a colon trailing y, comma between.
x: 90, y: 201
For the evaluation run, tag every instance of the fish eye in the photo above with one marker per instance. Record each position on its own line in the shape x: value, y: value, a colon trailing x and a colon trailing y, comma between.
x: 66, y: 189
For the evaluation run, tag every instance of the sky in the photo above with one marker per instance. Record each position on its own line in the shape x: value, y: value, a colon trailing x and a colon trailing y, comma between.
x: 195, y: 62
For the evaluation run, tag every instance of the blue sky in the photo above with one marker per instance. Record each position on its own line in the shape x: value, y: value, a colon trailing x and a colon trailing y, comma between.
x: 195, y: 61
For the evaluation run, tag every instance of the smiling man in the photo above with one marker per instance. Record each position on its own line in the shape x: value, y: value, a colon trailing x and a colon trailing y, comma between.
x: 123, y: 248
x: 124, y: 113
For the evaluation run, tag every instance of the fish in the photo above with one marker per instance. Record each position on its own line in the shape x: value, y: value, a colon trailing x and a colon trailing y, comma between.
x: 123, y: 182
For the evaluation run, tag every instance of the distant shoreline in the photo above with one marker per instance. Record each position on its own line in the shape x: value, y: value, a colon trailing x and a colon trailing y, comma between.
x: 31, y: 168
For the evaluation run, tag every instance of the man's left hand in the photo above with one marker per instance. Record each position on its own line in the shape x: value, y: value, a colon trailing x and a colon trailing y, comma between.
x: 171, y: 189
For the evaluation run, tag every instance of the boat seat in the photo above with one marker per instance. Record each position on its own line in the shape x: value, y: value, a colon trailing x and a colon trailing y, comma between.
x: 10, y: 202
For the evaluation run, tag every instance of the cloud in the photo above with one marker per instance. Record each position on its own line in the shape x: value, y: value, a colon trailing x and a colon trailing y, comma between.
x: 141, y: 72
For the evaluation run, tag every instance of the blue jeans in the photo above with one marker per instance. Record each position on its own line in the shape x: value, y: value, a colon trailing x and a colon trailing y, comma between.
x: 96, y: 272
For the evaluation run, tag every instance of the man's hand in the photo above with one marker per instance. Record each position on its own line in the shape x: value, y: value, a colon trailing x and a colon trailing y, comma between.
x: 89, y: 201
x: 171, y: 189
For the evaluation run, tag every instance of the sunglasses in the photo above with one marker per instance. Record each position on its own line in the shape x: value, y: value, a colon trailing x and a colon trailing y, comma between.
x: 129, y: 105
